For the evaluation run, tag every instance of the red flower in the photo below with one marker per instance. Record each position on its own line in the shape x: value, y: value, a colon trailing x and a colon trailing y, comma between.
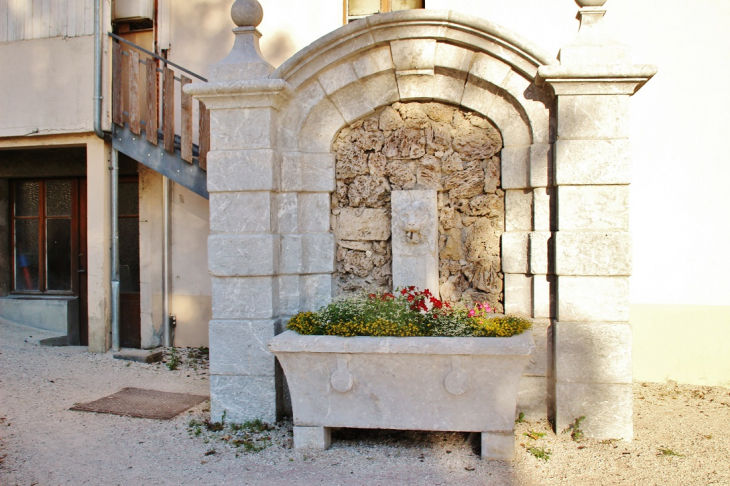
x: 411, y: 288
x: 410, y: 298
x: 372, y: 296
x: 403, y: 292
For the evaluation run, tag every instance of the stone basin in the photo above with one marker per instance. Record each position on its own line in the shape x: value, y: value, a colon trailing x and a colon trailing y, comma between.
x: 466, y: 384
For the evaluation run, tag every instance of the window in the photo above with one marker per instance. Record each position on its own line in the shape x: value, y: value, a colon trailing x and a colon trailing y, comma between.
x: 44, y: 235
x: 357, y: 9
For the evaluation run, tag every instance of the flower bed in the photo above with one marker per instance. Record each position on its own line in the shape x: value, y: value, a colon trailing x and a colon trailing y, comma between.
x: 392, y: 380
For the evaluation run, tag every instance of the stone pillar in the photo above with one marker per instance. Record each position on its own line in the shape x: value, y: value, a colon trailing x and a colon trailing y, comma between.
x: 592, y: 365
x: 244, y: 245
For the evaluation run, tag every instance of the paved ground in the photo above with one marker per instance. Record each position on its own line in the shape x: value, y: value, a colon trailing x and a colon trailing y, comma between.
x: 682, y: 436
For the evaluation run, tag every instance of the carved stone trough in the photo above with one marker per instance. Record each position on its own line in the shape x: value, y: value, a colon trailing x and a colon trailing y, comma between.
x: 410, y: 383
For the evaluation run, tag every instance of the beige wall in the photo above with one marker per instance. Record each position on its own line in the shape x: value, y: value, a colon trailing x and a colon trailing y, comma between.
x: 47, y: 86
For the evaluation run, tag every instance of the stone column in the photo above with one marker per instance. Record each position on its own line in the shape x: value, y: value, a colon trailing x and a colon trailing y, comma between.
x: 592, y: 365
x: 244, y: 245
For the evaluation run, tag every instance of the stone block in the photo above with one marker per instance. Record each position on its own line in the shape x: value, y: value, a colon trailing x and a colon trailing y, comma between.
x: 538, y: 365
x: 518, y: 294
x: 477, y: 98
x: 607, y: 408
x: 239, y: 347
x: 515, y: 252
x: 539, y: 252
x: 353, y: 102
x: 363, y: 224
x: 242, y: 255
x: 541, y: 208
x: 293, y: 114
x: 318, y: 438
x: 413, y: 54
x: 498, y: 446
x: 288, y: 288
x: 543, y: 296
x: 337, y: 77
x: 582, y: 162
x: 415, y: 239
x: 489, y: 69
x: 415, y: 86
x: 448, y: 89
x: 540, y: 165
x: 382, y: 89
x: 534, y: 101
x: 242, y: 129
x: 240, y: 212
x: 517, y: 210
x: 593, y: 208
x: 318, y: 253
x: 373, y: 61
x: 310, y: 172
x: 593, y: 352
x: 532, y: 398
x: 591, y: 117
x: 515, y: 167
x: 285, y: 211
x: 516, y: 132
x: 315, y: 291
x: 291, y: 254
x: 593, y: 253
x: 313, y: 212
x: 243, y: 298
x: 243, y: 398
x: 593, y: 299
x: 241, y: 170
x: 320, y: 127
x: 454, y: 58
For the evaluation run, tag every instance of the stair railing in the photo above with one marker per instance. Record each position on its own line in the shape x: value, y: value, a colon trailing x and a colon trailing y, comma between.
x: 157, y: 123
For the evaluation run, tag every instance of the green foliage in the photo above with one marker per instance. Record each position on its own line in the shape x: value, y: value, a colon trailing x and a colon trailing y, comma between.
x: 503, y: 326
x: 174, y: 361
x: 540, y: 453
x: 575, y: 432
x: 520, y: 418
x: 534, y: 435
x: 408, y: 312
x: 668, y: 452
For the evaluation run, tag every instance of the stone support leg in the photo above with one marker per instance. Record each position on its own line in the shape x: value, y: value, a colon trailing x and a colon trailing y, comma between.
x: 312, y: 437
x: 498, y: 445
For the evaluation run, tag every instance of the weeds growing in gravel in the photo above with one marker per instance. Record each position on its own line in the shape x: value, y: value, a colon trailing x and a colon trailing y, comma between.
x: 520, y: 418
x: 540, y: 453
x: 174, y: 360
x: 534, y: 435
x: 575, y: 432
x: 248, y: 437
x: 668, y: 452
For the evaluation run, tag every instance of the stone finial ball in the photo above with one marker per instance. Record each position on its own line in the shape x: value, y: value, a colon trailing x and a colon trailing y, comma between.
x: 591, y: 3
x: 247, y: 13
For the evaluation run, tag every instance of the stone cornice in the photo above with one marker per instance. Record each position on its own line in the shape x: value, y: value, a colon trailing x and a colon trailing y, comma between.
x: 612, y: 79
x: 253, y: 93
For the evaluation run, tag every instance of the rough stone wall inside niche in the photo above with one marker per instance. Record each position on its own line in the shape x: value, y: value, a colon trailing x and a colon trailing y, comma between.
x: 421, y: 146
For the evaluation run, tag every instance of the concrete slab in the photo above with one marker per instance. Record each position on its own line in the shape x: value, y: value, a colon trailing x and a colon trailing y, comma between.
x: 139, y: 355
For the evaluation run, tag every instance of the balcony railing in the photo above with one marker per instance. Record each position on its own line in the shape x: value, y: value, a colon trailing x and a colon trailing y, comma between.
x: 138, y: 90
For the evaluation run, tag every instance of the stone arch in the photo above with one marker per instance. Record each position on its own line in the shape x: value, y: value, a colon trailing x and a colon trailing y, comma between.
x: 423, y: 55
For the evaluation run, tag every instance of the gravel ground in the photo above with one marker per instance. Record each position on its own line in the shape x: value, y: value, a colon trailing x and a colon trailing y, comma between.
x: 682, y: 436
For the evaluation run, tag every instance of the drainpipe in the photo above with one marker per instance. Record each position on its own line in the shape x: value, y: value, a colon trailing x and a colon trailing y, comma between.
x: 166, y: 261
x: 115, y: 249
x: 97, y: 69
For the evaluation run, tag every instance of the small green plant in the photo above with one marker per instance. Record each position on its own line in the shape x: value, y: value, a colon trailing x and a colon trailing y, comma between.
x: 534, y: 435
x: 575, y: 432
x: 668, y: 452
x: 174, y: 360
x: 520, y: 418
x: 540, y: 453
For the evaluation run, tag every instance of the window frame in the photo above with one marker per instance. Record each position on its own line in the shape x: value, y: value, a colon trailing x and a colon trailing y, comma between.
x: 385, y: 6
x: 42, y: 219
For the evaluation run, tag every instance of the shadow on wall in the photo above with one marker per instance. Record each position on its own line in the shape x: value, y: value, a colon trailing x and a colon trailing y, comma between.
x: 278, y: 48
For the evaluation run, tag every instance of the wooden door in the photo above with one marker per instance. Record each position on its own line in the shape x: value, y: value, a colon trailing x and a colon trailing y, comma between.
x: 129, y: 302
x: 83, y: 285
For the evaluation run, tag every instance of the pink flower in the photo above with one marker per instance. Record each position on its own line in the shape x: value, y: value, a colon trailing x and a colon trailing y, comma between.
x: 472, y: 312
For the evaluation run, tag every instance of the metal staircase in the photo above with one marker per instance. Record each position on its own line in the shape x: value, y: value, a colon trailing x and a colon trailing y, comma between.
x: 146, y: 133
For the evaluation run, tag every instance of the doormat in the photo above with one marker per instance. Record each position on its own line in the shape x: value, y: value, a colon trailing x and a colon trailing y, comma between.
x: 136, y: 402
